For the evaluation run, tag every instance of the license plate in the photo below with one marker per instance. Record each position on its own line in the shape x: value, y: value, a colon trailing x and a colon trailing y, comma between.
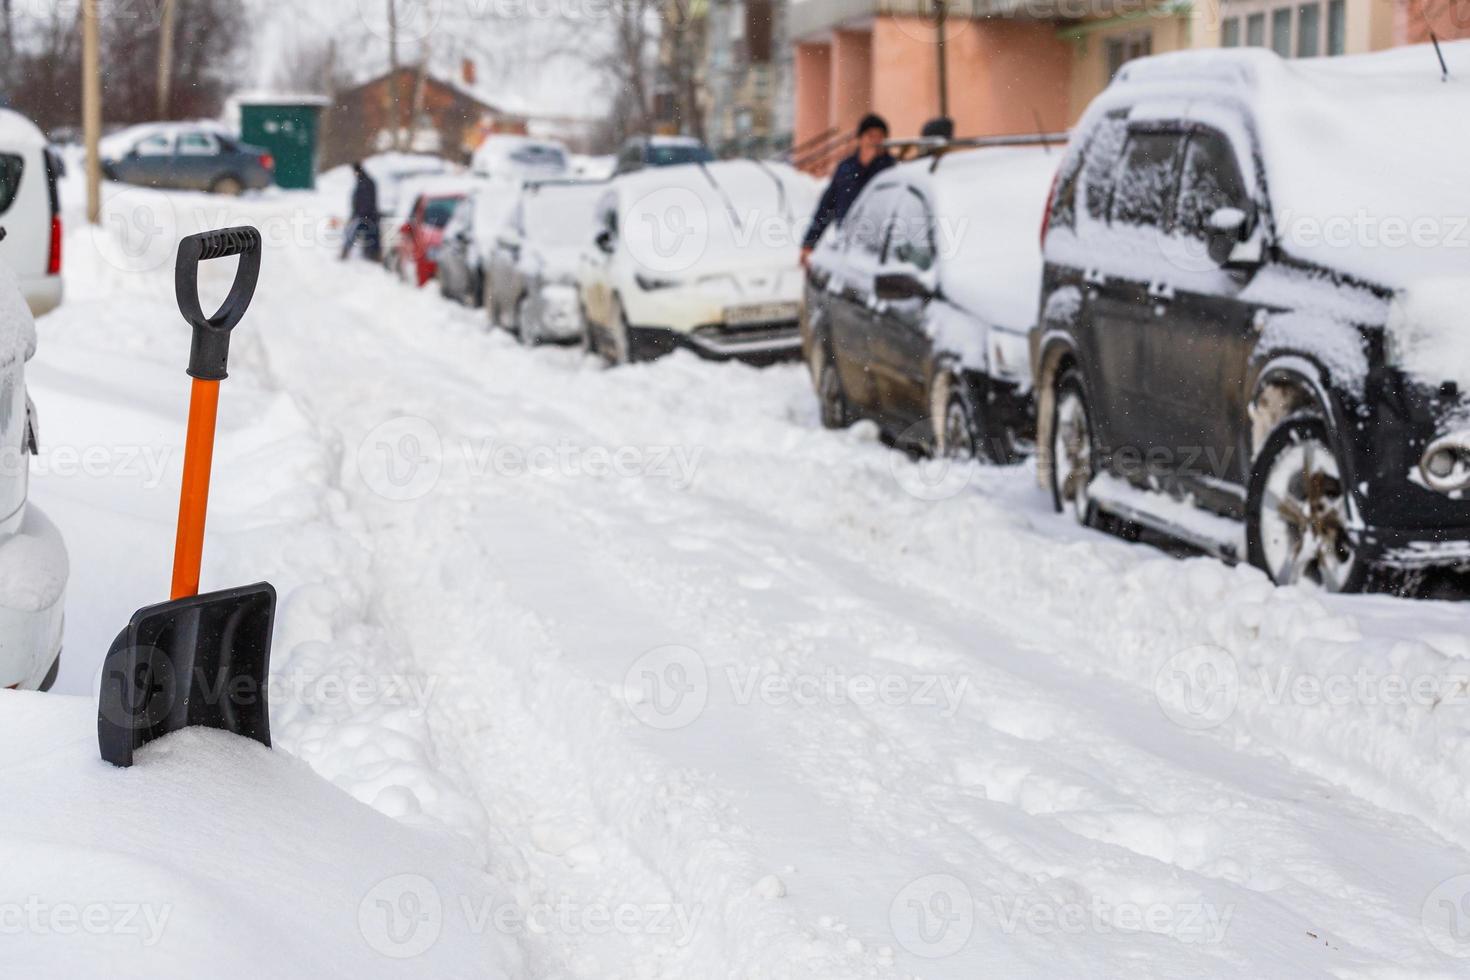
x: 743, y: 316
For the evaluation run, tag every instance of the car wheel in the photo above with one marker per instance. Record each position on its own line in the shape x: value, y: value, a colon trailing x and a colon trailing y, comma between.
x: 227, y: 186
x: 1073, y: 461
x: 961, y: 440
x: 527, y: 326
x: 831, y: 399
x: 620, y: 351
x: 1297, y: 518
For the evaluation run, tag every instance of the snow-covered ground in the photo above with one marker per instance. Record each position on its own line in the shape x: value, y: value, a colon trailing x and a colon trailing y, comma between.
x: 664, y: 680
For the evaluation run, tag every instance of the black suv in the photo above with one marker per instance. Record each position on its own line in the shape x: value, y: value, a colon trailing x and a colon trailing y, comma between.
x: 918, y: 307
x: 1231, y: 347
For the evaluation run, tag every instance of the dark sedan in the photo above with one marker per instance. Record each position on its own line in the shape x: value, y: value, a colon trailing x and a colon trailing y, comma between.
x: 187, y: 158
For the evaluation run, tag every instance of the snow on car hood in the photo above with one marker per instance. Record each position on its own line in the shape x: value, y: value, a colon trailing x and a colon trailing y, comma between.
x: 17, y: 326
x: 554, y: 263
x: 1364, y: 156
x: 736, y: 215
x: 1429, y: 330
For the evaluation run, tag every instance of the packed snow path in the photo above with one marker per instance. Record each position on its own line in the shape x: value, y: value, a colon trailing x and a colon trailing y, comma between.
x: 718, y: 693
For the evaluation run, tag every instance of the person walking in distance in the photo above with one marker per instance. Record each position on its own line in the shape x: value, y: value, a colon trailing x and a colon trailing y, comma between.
x: 364, y: 221
x: 851, y: 176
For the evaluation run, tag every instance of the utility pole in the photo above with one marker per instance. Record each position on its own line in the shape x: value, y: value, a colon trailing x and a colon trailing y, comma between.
x: 941, y: 18
x: 166, y: 58
x: 92, y: 107
x: 395, y: 110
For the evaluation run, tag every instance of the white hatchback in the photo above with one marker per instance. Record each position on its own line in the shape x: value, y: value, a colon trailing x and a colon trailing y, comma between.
x: 701, y: 256
x: 30, y: 211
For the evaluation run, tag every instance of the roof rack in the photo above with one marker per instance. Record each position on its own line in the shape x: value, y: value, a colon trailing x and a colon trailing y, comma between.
x: 938, y: 147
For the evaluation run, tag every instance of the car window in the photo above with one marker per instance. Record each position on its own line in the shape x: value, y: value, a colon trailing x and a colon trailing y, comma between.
x: 11, y: 168
x: 1100, y: 170
x: 438, y: 210
x: 668, y: 156
x: 863, y: 228
x: 911, y: 232
x: 1146, y: 180
x: 197, y: 145
x: 1210, y: 181
x: 157, y: 145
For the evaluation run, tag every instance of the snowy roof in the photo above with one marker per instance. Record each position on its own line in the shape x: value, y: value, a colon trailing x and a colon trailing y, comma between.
x: 988, y: 205
x: 1355, y: 150
x: 19, y: 132
x: 120, y: 142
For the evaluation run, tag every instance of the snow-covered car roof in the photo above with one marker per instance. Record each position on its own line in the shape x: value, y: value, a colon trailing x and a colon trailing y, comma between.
x: 1352, y: 148
x: 725, y: 215
x: 988, y: 205
x: 18, y: 132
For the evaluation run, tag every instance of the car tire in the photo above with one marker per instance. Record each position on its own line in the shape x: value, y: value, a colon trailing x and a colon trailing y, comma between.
x: 1073, y: 459
x: 228, y: 186
x: 961, y: 438
x: 1297, y: 516
x: 832, y: 402
x: 620, y: 350
x: 527, y: 329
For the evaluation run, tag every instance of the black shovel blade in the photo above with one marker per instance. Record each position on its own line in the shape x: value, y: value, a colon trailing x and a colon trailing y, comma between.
x: 204, y: 660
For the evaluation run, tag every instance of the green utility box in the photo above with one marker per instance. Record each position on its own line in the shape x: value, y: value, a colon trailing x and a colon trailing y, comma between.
x: 288, y: 127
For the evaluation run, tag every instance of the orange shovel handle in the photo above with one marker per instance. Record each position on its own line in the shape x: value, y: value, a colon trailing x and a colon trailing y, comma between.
x: 194, y: 496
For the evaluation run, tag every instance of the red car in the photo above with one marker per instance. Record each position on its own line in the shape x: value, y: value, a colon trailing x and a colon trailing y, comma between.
x: 417, y: 242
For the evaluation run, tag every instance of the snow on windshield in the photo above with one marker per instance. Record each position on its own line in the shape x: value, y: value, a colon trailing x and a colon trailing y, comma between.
x: 562, y: 216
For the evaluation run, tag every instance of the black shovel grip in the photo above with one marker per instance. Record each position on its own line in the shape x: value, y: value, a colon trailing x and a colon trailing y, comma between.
x: 211, y: 349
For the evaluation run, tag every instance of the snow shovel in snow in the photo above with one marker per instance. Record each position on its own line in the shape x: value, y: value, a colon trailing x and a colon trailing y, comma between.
x: 198, y: 659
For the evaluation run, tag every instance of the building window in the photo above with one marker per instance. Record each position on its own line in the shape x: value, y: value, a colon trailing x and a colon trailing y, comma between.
x: 1297, y: 30
x: 1309, y: 30
x: 1337, y: 27
x: 1255, y: 31
x: 1122, y: 50
x: 1281, y: 31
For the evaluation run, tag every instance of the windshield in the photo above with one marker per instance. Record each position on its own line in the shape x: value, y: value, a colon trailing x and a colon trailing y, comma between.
x: 561, y: 216
x: 438, y: 211
x: 669, y: 155
x: 540, y: 157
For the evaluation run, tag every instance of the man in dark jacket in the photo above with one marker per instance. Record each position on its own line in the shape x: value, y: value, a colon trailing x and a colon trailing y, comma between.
x: 364, y: 221
x: 848, y: 182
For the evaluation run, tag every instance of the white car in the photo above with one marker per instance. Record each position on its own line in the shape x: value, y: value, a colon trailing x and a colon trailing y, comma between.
x: 700, y: 256
x: 532, y: 270
x: 30, y: 211
x: 519, y: 158
x: 33, y: 561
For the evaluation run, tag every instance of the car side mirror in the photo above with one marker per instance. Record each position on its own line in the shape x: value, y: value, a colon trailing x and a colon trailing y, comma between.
x: 604, y: 241
x: 898, y: 286
x: 1225, y: 230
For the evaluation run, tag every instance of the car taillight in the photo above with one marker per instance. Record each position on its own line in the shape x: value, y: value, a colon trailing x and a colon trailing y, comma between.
x: 53, y: 261
x: 267, y: 161
x: 1051, y: 199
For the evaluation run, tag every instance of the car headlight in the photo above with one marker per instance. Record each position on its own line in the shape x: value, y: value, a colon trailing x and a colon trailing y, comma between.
x: 650, y: 283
